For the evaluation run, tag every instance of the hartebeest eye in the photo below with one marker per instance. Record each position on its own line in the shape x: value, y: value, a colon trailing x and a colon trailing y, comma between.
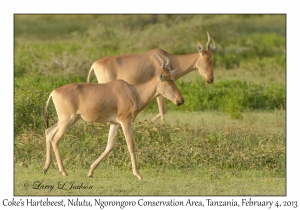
x: 161, y: 77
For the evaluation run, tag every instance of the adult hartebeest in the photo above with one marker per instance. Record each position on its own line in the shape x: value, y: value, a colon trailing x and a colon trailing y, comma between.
x: 116, y: 102
x: 138, y: 68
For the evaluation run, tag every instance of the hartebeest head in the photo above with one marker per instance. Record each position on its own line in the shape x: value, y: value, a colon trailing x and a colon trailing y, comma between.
x: 166, y: 86
x: 204, y: 63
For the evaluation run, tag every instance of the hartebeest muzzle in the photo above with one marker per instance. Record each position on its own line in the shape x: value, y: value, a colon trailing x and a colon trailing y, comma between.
x: 210, y: 80
x: 180, y: 102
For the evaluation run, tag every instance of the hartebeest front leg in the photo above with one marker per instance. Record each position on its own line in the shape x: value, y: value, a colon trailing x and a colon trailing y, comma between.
x: 162, y: 107
x: 113, y: 131
x: 127, y: 130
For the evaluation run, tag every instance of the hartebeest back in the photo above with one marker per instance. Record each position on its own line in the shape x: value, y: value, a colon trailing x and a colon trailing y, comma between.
x: 138, y: 68
x: 117, y: 102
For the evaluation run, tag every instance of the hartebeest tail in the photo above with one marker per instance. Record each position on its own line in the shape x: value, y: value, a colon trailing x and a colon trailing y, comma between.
x: 88, y: 78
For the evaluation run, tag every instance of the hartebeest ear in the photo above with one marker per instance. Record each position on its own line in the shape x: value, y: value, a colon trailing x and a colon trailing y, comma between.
x: 199, y: 47
x: 173, y: 72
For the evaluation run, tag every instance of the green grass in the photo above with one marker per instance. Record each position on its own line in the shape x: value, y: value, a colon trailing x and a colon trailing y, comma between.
x: 109, y: 180
x: 227, y: 154
x: 241, y: 144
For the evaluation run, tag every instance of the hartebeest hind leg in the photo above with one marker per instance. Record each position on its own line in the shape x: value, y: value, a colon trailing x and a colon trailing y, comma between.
x: 127, y: 130
x: 113, y: 131
x: 50, y: 132
x: 162, y: 107
x: 53, y: 136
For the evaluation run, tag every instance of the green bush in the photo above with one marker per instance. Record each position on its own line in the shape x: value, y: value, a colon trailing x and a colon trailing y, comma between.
x: 28, y: 106
x: 232, y: 97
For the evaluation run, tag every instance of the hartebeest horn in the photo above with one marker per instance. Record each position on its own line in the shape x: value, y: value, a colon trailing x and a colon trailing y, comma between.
x: 168, y: 61
x: 165, y: 66
x: 209, y: 40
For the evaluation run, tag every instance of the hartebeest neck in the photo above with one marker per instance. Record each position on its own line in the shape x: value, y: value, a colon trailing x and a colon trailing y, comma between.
x: 184, y: 64
x: 147, y: 92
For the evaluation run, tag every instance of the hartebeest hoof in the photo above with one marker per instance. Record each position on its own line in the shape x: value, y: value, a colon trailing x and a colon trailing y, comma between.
x: 64, y: 173
x: 138, y: 176
x: 90, y: 175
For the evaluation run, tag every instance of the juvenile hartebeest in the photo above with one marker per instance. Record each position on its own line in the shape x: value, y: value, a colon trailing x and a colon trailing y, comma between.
x: 138, y: 68
x: 116, y: 102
